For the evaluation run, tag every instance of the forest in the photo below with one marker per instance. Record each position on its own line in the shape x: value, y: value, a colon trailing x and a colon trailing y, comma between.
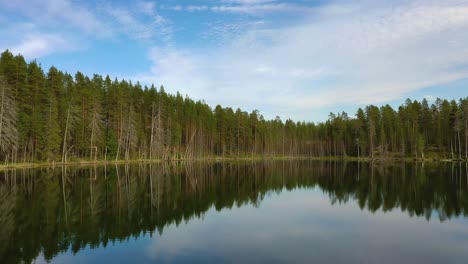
x: 56, y: 117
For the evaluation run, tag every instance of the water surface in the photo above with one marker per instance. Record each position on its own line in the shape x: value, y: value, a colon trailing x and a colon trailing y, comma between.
x: 274, y: 212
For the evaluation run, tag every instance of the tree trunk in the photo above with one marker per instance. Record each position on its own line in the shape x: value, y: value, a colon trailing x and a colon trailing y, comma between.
x: 465, y: 110
x: 120, y: 137
x: 92, y: 138
x: 1, y: 112
x: 451, y: 148
x: 152, y: 133
x: 64, y: 147
x: 459, y: 145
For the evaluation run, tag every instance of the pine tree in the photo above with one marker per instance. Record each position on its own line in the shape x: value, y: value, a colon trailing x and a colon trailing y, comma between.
x: 57, y: 115
x: 8, y: 116
x: 51, y: 140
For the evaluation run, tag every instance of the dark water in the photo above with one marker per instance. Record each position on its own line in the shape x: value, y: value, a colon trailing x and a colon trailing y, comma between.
x: 267, y: 212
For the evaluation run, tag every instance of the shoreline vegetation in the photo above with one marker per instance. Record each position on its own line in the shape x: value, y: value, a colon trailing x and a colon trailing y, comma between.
x: 53, y: 118
x: 7, y: 166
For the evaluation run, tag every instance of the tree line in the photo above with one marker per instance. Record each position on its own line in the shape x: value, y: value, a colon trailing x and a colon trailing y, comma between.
x: 57, y: 117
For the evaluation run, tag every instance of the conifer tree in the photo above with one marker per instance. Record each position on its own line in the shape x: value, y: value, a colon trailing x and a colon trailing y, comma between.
x: 57, y: 116
x: 51, y: 139
x: 8, y: 116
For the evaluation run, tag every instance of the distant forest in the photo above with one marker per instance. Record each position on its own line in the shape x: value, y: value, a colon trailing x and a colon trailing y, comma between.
x: 57, y: 117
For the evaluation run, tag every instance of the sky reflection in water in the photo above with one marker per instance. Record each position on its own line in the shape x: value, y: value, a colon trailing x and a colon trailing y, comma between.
x: 302, y: 223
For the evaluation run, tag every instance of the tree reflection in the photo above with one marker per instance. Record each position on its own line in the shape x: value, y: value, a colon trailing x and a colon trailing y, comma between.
x: 50, y: 211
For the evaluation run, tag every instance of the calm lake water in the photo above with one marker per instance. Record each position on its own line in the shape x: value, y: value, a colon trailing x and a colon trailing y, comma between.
x: 239, y: 212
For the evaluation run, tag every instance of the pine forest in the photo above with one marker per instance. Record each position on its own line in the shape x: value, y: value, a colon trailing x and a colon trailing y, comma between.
x: 57, y: 117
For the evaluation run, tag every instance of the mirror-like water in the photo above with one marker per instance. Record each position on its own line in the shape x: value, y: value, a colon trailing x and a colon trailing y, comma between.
x: 276, y: 211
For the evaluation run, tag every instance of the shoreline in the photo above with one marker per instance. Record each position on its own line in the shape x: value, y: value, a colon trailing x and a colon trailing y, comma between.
x: 218, y: 159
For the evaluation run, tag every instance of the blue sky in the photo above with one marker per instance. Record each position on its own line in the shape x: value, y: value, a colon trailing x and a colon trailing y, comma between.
x: 296, y: 59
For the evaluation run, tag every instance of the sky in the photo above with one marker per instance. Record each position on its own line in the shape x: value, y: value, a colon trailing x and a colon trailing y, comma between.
x: 299, y: 59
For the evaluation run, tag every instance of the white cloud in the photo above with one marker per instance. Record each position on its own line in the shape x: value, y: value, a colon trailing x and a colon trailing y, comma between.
x: 248, y: 2
x: 129, y: 20
x: 39, y: 45
x: 130, y: 25
x: 259, y: 8
x: 251, y: 7
x: 178, y: 8
x: 192, y: 8
x: 189, y: 8
x: 59, y: 13
x: 340, y: 54
x: 53, y: 25
x: 28, y: 40
x: 147, y: 8
x: 222, y: 33
x: 50, y: 26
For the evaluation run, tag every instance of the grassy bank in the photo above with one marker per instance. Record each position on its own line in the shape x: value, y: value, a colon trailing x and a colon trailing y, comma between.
x: 220, y: 159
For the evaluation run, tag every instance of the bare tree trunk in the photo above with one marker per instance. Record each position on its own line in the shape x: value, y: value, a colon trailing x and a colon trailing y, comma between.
x: 160, y: 130
x: 152, y: 133
x: 283, y: 141
x: 1, y: 110
x: 451, y: 148
x: 120, y: 137
x: 127, y: 143
x: 91, y: 141
x: 466, y: 132
x: 64, y: 147
x: 459, y: 145
x: 358, y: 149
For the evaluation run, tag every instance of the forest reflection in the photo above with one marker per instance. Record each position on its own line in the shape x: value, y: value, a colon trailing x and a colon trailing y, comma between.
x: 49, y: 211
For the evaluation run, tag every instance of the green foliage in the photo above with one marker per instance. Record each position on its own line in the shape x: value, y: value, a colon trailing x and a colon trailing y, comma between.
x: 111, y: 144
x: 80, y: 117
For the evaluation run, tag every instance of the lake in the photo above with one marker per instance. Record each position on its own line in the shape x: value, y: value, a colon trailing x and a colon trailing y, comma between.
x: 236, y: 212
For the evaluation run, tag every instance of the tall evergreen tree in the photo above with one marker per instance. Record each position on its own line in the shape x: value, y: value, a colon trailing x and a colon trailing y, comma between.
x: 57, y: 116
x: 8, y: 116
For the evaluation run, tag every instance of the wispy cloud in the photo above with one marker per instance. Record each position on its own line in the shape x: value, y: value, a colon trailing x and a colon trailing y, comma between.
x: 291, y: 58
x: 49, y: 26
x: 222, y: 32
x: 248, y: 2
x: 260, y: 8
x: 192, y: 8
x: 130, y: 23
x: 59, y: 13
x: 30, y: 41
x: 337, y: 55
x: 147, y: 8
x: 37, y: 45
x: 189, y: 8
x: 54, y: 25
x: 244, y: 7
